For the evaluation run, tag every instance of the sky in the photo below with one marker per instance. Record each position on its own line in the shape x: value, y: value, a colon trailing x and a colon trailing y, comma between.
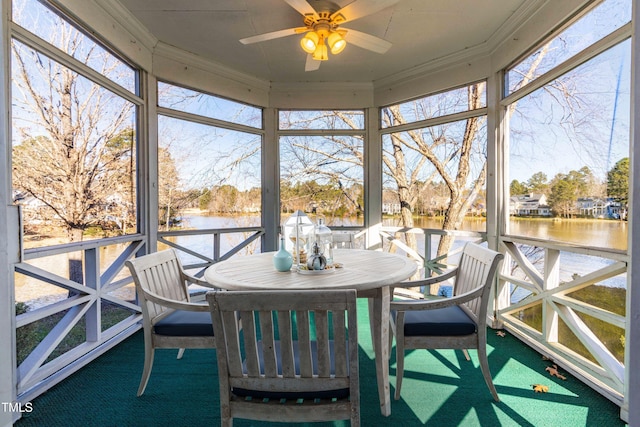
x: 582, y: 118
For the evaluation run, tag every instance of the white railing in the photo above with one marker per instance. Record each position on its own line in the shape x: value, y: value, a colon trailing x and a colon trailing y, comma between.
x: 538, y: 300
x: 247, y: 237
x: 74, y: 310
x: 555, y: 316
x: 77, y: 310
x: 396, y: 240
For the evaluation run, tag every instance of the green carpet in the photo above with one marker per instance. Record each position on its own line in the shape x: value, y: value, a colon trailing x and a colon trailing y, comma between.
x: 440, y: 388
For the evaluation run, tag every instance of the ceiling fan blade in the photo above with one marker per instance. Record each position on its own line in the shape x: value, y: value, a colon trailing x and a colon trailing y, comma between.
x: 311, y: 64
x: 360, y: 8
x: 303, y: 7
x: 366, y: 41
x: 273, y: 35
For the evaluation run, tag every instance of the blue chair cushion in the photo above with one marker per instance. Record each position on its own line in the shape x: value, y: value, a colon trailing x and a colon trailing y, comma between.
x: 184, y: 323
x: 341, y: 393
x: 447, y: 321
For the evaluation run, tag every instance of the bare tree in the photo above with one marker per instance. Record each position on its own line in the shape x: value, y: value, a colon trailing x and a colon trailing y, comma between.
x: 74, y: 138
x: 169, y: 199
x: 438, y: 148
x: 326, y: 170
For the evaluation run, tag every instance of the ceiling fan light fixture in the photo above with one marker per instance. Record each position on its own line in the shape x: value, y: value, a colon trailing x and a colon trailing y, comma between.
x: 336, y: 43
x: 309, y: 42
x: 322, y: 32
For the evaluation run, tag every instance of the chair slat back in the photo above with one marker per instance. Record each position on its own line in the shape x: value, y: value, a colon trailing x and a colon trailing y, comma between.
x: 343, y: 240
x: 476, y: 269
x: 160, y: 273
x: 319, y: 325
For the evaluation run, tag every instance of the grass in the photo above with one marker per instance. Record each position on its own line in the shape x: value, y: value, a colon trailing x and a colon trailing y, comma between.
x: 607, y: 298
x: 29, y: 336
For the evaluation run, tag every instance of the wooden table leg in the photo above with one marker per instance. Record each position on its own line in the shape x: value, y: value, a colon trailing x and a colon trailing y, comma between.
x: 379, y: 318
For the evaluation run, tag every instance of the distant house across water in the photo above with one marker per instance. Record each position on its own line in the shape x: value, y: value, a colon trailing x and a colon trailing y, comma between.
x: 597, y: 207
x: 529, y: 205
x: 589, y: 207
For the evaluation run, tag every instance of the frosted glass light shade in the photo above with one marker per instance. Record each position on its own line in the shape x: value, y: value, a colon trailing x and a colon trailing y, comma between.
x: 336, y: 43
x: 309, y: 42
x: 321, y: 53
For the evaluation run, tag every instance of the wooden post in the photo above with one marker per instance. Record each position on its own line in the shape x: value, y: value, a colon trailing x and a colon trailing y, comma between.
x: 93, y: 319
x: 551, y: 280
x: 9, y: 232
x: 270, y: 181
x: 372, y: 179
x: 497, y: 190
x: 631, y: 412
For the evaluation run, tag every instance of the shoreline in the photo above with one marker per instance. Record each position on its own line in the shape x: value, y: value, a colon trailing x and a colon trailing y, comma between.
x: 36, y: 293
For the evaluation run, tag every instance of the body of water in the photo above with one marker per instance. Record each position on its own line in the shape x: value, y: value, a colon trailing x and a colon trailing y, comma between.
x: 597, y: 233
x: 594, y: 233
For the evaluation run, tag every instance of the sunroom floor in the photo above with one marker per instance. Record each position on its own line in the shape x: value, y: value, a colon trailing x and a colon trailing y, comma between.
x: 440, y: 388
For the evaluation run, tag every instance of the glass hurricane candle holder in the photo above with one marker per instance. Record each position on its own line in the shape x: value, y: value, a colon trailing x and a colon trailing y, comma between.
x: 324, y: 238
x: 297, y: 229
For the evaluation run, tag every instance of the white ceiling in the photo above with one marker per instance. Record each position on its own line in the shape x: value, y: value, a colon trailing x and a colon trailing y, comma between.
x: 422, y: 32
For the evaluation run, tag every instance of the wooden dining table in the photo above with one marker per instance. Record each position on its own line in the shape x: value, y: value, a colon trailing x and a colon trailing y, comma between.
x: 369, y: 272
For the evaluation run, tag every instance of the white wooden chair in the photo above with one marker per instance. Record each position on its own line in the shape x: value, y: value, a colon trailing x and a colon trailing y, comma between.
x: 459, y: 322
x: 170, y: 319
x: 296, y: 359
x: 343, y: 240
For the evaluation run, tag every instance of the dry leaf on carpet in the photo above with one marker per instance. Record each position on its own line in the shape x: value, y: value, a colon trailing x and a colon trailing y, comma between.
x: 553, y: 371
x: 539, y: 388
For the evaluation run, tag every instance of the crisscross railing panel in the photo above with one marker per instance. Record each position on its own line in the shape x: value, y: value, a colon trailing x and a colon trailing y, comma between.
x: 219, y: 249
x: 393, y: 236
x: 547, y: 306
x: 75, y: 330
x: 80, y: 305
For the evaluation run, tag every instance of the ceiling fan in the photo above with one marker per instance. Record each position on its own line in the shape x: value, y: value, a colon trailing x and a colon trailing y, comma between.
x: 324, y: 32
